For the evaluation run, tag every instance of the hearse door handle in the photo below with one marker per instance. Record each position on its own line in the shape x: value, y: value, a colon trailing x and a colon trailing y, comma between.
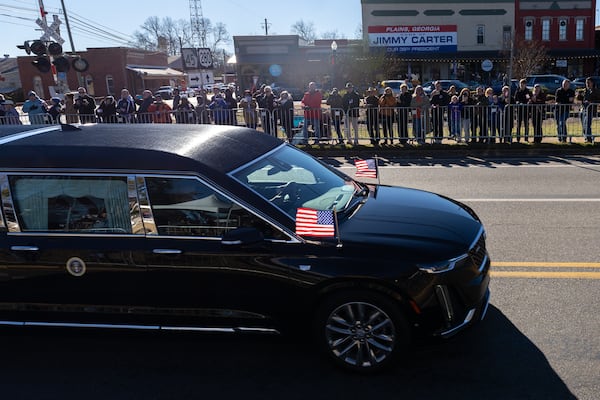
x: 166, y: 251
x: 24, y: 248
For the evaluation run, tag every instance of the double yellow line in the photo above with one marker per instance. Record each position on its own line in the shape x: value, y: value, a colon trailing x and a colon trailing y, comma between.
x: 562, y: 270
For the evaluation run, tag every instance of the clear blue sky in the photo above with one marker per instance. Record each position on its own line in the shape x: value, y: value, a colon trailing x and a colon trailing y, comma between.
x: 120, y: 18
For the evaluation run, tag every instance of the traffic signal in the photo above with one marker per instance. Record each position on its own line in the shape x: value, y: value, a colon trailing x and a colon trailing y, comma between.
x: 38, y: 48
x: 62, y: 64
x: 25, y: 46
x: 42, y: 64
x: 55, y: 49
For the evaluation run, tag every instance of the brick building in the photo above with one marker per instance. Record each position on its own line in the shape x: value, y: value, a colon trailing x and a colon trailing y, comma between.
x: 110, y: 70
x: 450, y: 39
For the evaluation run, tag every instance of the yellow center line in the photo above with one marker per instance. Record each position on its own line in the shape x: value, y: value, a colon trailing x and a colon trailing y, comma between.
x: 531, y: 264
x: 545, y: 274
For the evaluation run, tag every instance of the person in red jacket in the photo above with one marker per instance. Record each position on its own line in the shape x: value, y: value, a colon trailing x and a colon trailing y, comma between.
x: 311, y: 102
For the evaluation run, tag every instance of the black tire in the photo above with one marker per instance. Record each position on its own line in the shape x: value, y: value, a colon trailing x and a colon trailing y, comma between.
x: 361, y: 330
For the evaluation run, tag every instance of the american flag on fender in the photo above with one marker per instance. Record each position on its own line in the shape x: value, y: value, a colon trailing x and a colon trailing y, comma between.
x: 366, y: 168
x: 311, y: 222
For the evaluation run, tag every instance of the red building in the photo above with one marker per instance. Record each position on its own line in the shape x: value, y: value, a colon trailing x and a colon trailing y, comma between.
x: 110, y: 70
x: 566, y: 28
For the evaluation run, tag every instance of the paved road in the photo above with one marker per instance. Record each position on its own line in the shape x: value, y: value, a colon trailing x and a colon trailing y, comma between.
x: 539, y: 341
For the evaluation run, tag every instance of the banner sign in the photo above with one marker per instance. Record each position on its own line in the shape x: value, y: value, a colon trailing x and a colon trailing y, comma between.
x: 414, y: 38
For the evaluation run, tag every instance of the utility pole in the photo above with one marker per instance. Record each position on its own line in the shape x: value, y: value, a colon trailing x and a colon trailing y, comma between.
x: 266, y: 25
x: 79, y: 77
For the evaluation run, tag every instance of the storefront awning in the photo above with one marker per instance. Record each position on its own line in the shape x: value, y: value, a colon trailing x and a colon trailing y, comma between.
x: 156, y: 72
x: 459, y: 56
x: 570, y: 54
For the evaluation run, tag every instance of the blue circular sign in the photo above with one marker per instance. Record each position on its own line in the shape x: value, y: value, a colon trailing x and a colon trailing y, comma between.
x: 275, y: 70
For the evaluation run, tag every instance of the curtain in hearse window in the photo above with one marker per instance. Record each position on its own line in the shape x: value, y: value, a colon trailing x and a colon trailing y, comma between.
x: 71, y: 204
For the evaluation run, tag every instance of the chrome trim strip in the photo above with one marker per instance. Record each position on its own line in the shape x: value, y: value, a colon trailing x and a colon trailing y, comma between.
x: 444, y: 298
x: 483, y: 263
x: 137, y: 226
x: 83, y: 325
x: 24, y: 248
x: 485, y: 306
x: 145, y: 209
x: 8, y: 205
x: 23, y: 135
x: 452, y: 331
x: 481, y: 231
x: 166, y: 251
x: 141, y: 327
x: 259, y: 330
x: 194, y: 329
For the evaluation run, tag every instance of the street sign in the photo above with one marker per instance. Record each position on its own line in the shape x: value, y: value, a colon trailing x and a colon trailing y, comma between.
x: 205, y: 57
x: 50, y: 32
x: 208, y: 77
x: 487, y: 65
x: 190, y: 58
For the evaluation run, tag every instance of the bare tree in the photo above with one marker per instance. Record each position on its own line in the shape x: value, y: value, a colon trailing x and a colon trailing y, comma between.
x: 335, y: 34
x: 528, y: 55
x: 306, y: 30
x: 177, y: 33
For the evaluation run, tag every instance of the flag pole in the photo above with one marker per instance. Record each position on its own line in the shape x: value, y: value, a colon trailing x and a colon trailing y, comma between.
x: 337, y: 229
x: 377, y: 170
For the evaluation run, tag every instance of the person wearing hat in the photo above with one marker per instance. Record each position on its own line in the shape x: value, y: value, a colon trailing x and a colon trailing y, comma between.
x: 85, y: 106
x: 11, y: 115
x: 107, y: 110
x: 55, y: 110
x: 372, y: 104
x: 336, y: 104
x: 36, y: 108
x: 249, y: 109
x: 351, y: 106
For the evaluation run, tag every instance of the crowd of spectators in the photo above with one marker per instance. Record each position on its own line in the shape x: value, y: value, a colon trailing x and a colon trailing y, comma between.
x: 480, y: 116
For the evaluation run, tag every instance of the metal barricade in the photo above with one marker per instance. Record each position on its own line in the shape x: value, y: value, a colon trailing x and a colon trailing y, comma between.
x: 511, y: 123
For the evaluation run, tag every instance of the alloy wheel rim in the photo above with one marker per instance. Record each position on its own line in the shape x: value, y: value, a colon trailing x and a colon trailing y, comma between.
x: 360, y: 334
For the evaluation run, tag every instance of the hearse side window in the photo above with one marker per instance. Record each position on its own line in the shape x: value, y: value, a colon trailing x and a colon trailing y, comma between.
x: 73, y: 204
x: 187, y: 207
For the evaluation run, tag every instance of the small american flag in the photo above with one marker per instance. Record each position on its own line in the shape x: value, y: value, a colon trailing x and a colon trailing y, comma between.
x: 311, y: 222
x: 366, y: 168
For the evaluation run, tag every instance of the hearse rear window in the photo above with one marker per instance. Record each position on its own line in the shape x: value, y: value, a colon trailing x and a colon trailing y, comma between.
x: 71, y: 204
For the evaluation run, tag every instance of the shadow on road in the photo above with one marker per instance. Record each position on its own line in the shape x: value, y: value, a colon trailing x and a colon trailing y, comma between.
x: 491, y: 361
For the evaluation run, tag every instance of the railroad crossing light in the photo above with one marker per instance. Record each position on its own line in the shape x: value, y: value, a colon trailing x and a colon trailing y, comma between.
x: 38, y: 48
x: 55, y: 49
x: 62, y: 64
x: 41, y: 63
x: 80, y: 64
x: 25, y: 46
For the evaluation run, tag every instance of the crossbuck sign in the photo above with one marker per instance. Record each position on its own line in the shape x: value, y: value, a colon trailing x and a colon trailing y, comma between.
x: 50, y: 32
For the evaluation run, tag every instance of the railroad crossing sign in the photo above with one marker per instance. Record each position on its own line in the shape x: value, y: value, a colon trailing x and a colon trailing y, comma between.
x: 50, y: 32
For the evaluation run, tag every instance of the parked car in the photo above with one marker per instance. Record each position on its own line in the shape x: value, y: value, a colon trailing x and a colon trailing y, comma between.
x: 551, y: 83
x: 394, y: 84
x: 166, y: 92
x: 514, y: 86
x: 228, y: 229
x: 428, y: 87
x: 580, y: 82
